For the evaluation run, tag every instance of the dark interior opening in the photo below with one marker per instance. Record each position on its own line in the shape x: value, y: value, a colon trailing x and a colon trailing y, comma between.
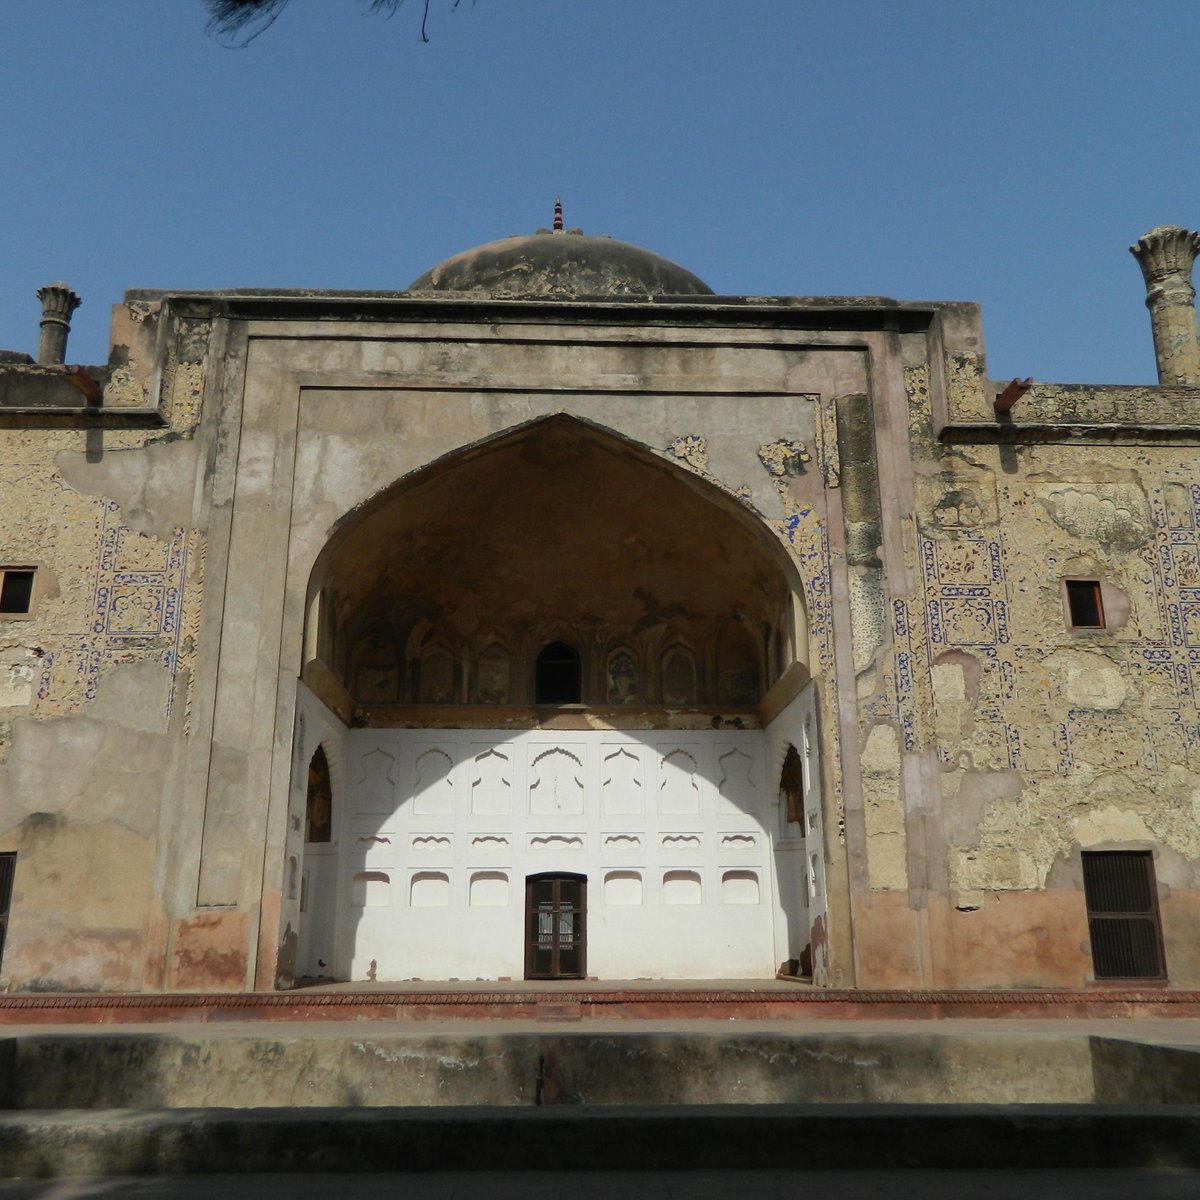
x: 1083, y: 603
x: 16, y: 591
x: 558, y: 677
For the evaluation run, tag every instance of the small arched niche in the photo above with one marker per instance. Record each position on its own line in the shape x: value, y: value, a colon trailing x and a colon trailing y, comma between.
x: 668, y: 590
x: 318, y: 802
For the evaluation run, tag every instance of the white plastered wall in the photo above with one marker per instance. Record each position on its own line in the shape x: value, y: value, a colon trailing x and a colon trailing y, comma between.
x: 799, y: 860
x: 437, y: 830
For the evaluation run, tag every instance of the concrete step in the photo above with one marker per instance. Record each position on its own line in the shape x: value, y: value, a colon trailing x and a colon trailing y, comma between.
x: 262, y: 1066
x: 212, y: 1140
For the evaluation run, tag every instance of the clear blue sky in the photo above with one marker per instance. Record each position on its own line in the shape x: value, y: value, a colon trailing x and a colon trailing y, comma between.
x: 933, y: 149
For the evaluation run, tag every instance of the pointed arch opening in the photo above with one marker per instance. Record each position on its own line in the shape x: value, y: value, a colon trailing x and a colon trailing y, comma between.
x: 558, y: 533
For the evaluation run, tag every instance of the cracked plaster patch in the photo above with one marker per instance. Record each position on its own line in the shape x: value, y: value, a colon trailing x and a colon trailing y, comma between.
x: 1116, y: 515
x: 692, y: 448
x: 784, y: 457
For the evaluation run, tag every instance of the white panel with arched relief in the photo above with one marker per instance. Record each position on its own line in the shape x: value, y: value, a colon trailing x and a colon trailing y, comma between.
x: 491, y: 782
x: 623, y: 888
x: 739, y: 843
x: 619, y: 843
x: 621, y: 775
x: 682, y: 887
x: 658, y: 821
x: 429, y: 889
x: 489, y: 889
x: 679, y: 787
x: 739, y: 887
x: 556, y: 781
x: 555, y: 841
x: 375, y: 789
x: 490, y: 843
x: 433, y: 783
x: 736, y: 787
x: 370, y: 889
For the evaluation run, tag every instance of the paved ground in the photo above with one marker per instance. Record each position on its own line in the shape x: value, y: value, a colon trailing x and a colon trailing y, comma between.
x: 660, y: 1185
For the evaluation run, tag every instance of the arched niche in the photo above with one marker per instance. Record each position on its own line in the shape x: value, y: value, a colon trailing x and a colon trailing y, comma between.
x: 672, y: 591
x: 318, y: 803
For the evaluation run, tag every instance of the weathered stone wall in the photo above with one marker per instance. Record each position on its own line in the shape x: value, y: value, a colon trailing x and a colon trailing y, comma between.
x: 94, y: 683
x: 1048, y: 740
x: 971, y: 743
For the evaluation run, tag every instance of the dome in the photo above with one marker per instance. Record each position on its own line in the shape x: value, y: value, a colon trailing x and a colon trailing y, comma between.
x: 560, y: 264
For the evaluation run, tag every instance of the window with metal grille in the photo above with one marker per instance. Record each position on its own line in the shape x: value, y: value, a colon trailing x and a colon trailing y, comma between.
x: 1085, y: 609
x: 1122, y: 909
x: 16, y: 590
x: 8, y: 866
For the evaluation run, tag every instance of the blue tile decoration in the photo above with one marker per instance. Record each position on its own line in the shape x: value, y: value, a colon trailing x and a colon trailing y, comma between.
x: 964, y: 605
x: 137, y: 601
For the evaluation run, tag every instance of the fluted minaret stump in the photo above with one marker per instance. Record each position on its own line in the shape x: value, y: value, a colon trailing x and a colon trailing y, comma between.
x: 1165, y: 255
x: 58, y: 303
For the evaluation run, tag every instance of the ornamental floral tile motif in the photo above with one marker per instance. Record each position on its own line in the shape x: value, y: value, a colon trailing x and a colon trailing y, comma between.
x: 137, y: 601
x: 964, y: 605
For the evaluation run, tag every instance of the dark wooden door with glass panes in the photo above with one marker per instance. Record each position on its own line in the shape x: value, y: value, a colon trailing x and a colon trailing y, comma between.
x: 555, y: 921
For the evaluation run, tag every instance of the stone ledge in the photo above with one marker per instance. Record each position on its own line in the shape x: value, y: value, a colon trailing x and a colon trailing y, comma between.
x: 767, y: 1002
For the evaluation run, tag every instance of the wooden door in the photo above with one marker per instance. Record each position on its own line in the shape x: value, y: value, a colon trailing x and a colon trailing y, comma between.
x: 555, y: 926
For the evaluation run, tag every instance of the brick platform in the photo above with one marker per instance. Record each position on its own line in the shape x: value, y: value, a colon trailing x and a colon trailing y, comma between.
x: 769, y: 1000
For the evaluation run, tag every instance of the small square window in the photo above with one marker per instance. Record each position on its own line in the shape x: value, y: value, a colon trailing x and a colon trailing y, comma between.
x: 1085, y: 609
x: 16, y: 590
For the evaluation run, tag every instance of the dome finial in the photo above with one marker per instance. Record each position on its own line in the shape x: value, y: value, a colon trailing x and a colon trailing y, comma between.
x: 558, y: 224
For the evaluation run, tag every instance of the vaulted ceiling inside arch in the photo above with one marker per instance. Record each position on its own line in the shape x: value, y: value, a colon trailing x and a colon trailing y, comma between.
x: 558, y: 522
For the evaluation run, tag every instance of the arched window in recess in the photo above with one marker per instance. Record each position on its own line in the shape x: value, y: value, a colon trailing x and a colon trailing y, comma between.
x: 318, y: 809
x: 791, y: 787
x: 558, y: 675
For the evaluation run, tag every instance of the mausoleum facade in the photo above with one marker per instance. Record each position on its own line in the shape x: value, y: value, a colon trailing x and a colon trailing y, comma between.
x: 558, y: 618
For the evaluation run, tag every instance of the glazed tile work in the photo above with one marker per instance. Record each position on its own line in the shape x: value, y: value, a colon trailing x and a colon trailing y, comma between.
x: 137, y: 615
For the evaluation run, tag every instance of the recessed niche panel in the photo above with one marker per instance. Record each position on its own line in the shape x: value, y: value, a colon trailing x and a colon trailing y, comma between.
x: 679, y: 677
x: 429, y: 889
x: 437, y: 676
x: 431, y: 841
x: 736, y: 789
x: 491, y: 783
x: 556, y: 783
x: 555, y: 841
x: 681, y: 841
x: 739, y: 841
x: 374, y: 850
x: 370, y: 889
x: 621, y: 781
x: 375, y: 788
x: 623, y: 888
x: 489, y: 841
x: 433, y: 784
x: 489, y: 889
x: 679, y: 789
x: 493, y: 676
x: 622, y: 841
x: 682, y: 887
x: 739, y: 887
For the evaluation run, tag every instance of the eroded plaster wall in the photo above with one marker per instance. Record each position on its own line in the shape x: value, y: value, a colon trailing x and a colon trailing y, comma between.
x: 1048, y: 740
x: 94, y: 682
